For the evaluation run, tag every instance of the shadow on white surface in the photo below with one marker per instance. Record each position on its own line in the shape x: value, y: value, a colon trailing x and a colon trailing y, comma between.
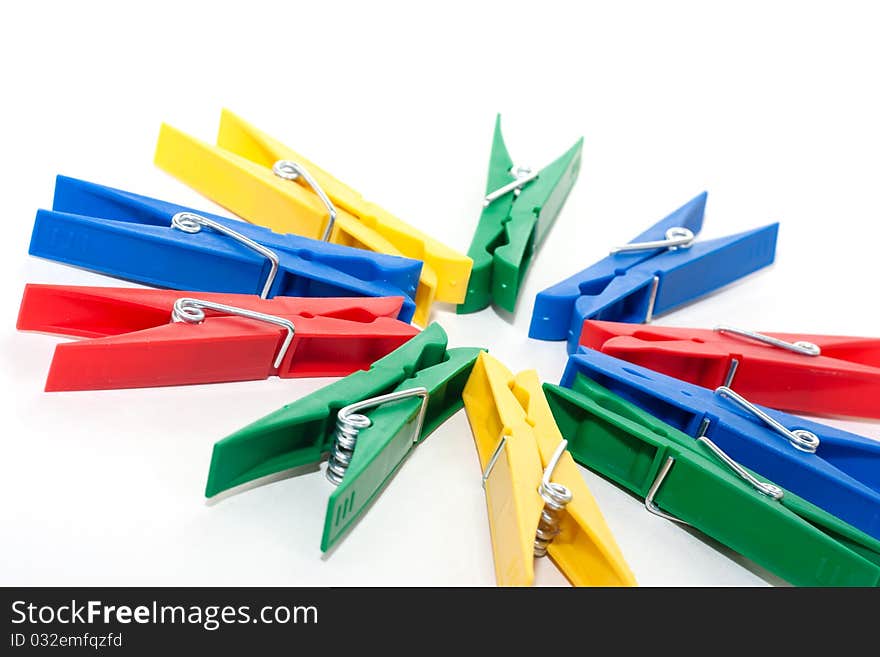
x: 262, y: 481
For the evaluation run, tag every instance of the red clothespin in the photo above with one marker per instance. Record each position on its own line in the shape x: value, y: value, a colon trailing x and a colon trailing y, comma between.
x: 143, y: 338
x: 812, y: 374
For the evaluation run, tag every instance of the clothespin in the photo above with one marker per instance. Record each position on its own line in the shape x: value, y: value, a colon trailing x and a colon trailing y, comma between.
x: 661, y: 269
x: 152, y: 242
x: 143, y: 338
x: 833, y: 469
x: 265, y: 182
x: 801, y: 373
x: 697, y: 483
x: 538, y: 502
x: 366, y: 447
x: 520, y: 207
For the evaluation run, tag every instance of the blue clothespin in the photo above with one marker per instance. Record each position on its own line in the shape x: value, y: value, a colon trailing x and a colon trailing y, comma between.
x: 156, y: 243
x: 661, y: 269
x: 835, y: 470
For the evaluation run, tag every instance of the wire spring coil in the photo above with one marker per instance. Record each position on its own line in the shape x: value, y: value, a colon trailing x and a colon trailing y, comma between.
x: 349, y: 424
x: 556, y: 497
x: 345, y: 438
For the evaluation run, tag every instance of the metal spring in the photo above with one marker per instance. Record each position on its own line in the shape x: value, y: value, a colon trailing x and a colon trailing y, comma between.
x: 349, y: 424
x: 288, y: 170
x: 556, y: 497
x: 800, y: 439
x: 192, y: 311
x: 345, y: 438
x: 801, y: 347
x: 522, y: 175
x: 677, y: 237
x: 192, y: 223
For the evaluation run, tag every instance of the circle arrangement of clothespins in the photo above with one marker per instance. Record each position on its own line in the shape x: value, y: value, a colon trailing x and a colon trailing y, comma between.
x: 318, y: 281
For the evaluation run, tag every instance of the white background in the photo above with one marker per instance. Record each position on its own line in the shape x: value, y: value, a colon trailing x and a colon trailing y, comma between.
x: 771, y: 106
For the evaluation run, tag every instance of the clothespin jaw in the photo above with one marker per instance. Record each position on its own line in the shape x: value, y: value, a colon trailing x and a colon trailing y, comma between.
x: 689, y: 482
x: 299, y: 434
x: 833, y: 469
x: 145, y: 338
x: 681, y: 353
x: 267, y: 183
x: 514, y: 224
x: 831, y: 375
x: 517, y: 441
x: 149, y: 241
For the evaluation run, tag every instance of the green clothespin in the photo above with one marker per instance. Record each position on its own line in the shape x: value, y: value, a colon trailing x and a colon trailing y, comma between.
x: 368, y: 422
x: 520, y: 207
x: 691, y: 481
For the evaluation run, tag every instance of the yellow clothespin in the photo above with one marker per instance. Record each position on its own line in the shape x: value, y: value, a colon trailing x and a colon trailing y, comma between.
x: 538, y: 502
x: 265, y: 182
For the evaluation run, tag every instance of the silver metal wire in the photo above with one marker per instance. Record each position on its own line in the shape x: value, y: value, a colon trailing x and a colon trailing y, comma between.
x: 764, y: 487
x: 800, y: 347
x: 731, y: 372
x: 652, y: 299
x: 556, y: 497
x: 289, y: 170
x: 192, y: 311
x: 677, y: 237
x: 522, y: 176
x: 494, y: 459
x: 190, y: 222
x: 805, y: 441
x: 349, y: 423
x: 655, y: 486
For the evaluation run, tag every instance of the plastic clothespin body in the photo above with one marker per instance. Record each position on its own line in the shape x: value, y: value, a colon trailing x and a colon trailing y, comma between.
x: 843, y: 379
x: 635, y: 286
x: 513, y: 226
x: 134, y: 340
x: 841, y: 477
x: 501, y: 406
x: 299, y: 434
x: 790, y: 537
x: 237, y: 173
x: 131, y: 237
